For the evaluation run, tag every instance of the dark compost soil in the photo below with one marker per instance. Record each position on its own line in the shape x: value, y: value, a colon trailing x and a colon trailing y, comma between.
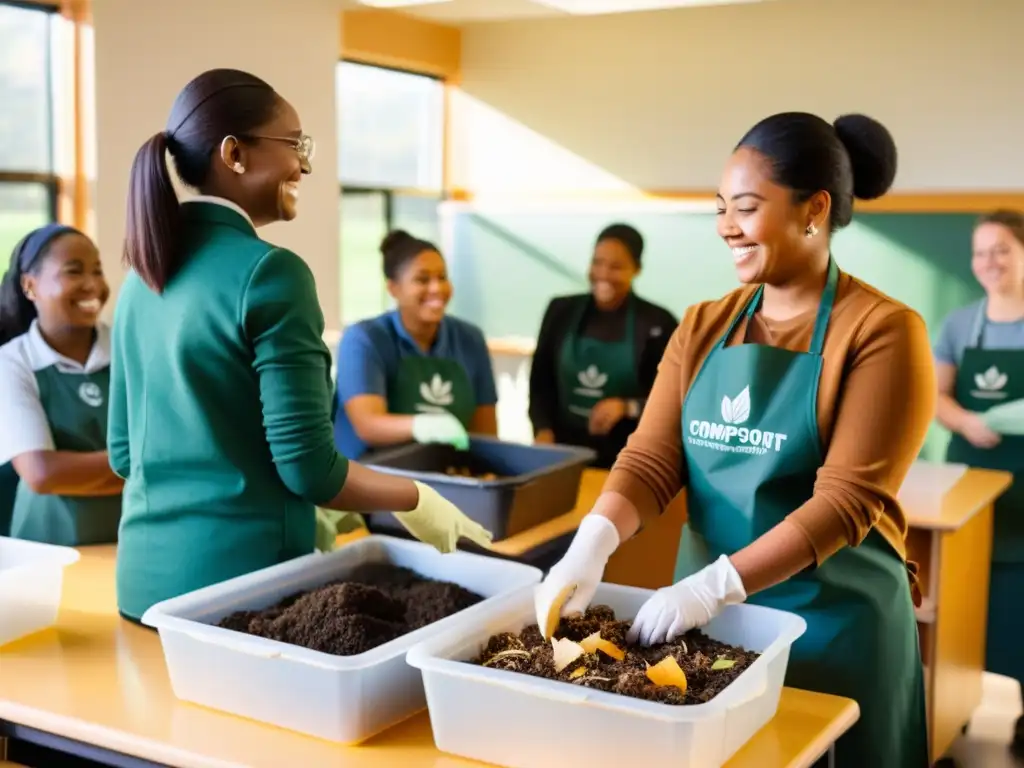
x: 695, y: 652
x: 378, y: 603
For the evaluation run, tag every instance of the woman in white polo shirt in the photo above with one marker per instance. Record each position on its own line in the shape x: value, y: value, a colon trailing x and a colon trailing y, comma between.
x: 55, y: 369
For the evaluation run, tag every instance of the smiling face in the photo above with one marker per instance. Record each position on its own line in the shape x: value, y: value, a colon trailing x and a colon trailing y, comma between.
x: 422, y: 290
x: 764, y: 227
x: 612, y: 270
x: 67, y: 286
x: 998, y: 259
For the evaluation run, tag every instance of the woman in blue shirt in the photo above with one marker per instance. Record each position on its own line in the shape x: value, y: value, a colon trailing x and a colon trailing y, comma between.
x: 413, y: 373
x: 55, y: 377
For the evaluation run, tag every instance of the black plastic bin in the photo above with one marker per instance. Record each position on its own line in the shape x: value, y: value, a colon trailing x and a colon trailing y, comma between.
x: 535, y: 482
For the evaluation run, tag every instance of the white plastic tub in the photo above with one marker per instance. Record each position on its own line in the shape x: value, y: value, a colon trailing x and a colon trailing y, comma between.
x: 341, y: 698
x: 31, y: 579
x: 520, y: 721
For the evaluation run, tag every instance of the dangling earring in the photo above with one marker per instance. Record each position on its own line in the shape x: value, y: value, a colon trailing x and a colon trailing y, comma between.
x: 811, y: 231
x: 237, y: 168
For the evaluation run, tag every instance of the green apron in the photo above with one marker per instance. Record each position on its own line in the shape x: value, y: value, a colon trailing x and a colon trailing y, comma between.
x: 591, y: 370
x: 977, y: 390
x: 75, y: 405
x: 752, y: 450
x: 8, y: 490
x: 432, y: 385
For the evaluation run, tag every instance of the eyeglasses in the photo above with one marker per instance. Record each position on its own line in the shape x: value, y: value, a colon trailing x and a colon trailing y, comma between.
x: 304, y: 145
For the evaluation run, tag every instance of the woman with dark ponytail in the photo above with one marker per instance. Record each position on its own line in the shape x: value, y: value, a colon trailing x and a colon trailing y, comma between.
x: 55, y: 369
x: 791, y: 410
x: 220, y: 417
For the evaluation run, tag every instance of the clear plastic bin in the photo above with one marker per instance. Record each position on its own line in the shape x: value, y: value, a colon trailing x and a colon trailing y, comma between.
x: 341, y: 698
x: 520, y: 721
x: 31, y: 580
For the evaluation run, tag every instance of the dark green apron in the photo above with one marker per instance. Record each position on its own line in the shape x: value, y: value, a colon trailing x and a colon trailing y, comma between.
x: 750, y: 435
x: 75, y: 405
x: 985, y: 378
x: 591, y: 370
x: 432, y: 385
x: 8, y: 490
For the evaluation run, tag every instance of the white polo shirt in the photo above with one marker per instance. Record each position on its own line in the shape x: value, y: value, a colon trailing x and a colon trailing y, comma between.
x: 24, y: 426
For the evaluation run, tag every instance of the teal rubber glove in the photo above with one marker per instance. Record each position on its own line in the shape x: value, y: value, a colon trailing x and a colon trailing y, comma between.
x: 439, y: 523
x: 439, y: 428
x: 330, y: 524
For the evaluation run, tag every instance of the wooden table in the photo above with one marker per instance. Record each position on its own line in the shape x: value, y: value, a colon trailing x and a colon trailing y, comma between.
x: 96, y: 681
x: 951, y: 539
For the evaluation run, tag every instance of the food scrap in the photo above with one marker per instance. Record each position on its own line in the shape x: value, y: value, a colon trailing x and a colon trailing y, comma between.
x: 555, y: 611
x: 466, y: 472
x: 590, y: 649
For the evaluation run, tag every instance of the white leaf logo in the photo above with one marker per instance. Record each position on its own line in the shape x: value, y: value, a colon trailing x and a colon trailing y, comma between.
x: 991, y: 379
x: 737, y: 410
x: 437, y: 392
x: 592, y: 378
x: 90, y: 394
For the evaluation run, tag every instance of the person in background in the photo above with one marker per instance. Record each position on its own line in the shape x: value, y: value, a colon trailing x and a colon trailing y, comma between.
x: 220, y: 389
x: 55, y: 379
x: 597, y: 353
x: 791, y: 410
x: 413, y: 373
x: 979, y: 360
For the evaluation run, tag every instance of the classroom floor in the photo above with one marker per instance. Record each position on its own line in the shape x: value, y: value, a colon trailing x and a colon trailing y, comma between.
x: 984, y: 744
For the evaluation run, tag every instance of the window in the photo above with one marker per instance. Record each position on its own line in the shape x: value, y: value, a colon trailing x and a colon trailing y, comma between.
x: 391, y: 168
x: 28, y: 180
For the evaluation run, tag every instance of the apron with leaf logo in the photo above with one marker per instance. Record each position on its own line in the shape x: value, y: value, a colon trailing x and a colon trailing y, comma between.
x: 986, y: 378
x: 432, y: 385
x: 752, y: 451
x: 76, y: 409
x: 591, y: 370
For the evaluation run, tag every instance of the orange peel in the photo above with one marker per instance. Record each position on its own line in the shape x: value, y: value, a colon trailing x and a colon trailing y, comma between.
x: 555, y: 611
x: 564, y: 652
x: 668, y: 672
x: 578, y: 672
x: 594, y: 643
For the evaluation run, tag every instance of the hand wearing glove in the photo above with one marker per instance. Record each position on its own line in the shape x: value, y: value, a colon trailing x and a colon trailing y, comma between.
x: 438, y: 522
x: 439, y: 428
x: 693, y: 602
x: 582, y: 567
x: 330, y: 524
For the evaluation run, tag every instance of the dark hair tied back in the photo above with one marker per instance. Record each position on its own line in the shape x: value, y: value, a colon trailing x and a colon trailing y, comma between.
x: 399, y: 248
x: 216, y: 104
x: 628, y: 236
x: 854, y: 157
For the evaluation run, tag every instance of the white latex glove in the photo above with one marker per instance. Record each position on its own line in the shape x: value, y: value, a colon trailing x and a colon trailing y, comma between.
x: 438, y: 522
x: 693, y: 602
x: 583, y: 566
x: 439, y: 428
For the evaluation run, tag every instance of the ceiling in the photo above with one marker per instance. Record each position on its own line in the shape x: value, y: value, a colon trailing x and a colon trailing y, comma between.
x: 465, y: 11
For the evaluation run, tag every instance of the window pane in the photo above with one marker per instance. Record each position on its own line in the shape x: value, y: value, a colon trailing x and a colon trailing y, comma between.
x: 418, y: 216
x: 25, y: 118
x: 363, y: 226
x: 390, y: 127
x: 23, y: 207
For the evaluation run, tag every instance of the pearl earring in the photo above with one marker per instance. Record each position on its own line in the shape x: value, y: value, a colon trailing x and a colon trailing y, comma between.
x: 237, y: 168
x: 811, y: 231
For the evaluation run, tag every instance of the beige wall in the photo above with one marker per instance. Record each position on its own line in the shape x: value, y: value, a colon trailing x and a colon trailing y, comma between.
x: 145, y: 52
x: 657, y: 100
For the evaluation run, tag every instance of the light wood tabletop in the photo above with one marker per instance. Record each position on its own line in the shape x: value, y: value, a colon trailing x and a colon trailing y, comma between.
x: 101, y: 680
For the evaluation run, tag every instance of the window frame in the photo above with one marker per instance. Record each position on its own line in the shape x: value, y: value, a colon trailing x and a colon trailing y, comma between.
x: 51, y: 181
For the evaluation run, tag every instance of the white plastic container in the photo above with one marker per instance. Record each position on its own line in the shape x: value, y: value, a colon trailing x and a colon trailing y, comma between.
x: 341, y: 698
x: 520, y: 721
x: 31, y: 579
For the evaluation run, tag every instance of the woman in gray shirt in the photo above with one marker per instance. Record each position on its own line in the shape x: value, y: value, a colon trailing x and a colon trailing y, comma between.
x: 980, y: 364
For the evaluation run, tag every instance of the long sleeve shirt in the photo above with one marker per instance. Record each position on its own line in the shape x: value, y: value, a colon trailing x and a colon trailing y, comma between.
x: 876, y: 398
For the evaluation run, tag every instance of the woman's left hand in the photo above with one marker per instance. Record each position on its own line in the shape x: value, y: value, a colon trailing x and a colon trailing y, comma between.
x: 606, y: 414
x: 692, y: 602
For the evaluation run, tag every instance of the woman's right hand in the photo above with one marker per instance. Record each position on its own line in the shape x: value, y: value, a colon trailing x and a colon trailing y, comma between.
x: 975, y: 431
x: 438, y: 522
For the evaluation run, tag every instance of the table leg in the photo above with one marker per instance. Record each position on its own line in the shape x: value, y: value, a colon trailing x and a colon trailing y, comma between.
x: 832, y: 755
x: 3, y: 747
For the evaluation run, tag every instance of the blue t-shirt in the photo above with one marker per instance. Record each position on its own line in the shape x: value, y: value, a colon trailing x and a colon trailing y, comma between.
x: 371, y: 350
x: 958, y: 327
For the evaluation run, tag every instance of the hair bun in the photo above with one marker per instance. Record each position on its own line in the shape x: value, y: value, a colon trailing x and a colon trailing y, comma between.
x: 394, y: 239
x: 872, y: 154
